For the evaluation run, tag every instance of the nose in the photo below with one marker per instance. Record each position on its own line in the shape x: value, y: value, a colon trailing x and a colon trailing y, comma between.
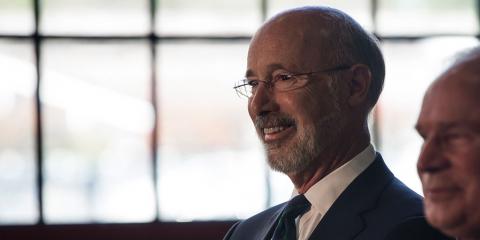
x: 432, y: 158
x: 262, y: 101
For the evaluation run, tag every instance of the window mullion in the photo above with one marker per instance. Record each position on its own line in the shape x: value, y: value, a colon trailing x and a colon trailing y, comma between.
x: 38, y: 114
x: 153, y: 96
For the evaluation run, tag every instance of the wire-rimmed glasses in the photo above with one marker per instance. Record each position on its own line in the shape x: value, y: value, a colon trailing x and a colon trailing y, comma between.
x: 281, y: 82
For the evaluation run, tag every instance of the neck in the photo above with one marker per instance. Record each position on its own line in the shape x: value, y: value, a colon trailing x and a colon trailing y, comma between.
x: 328, y: 161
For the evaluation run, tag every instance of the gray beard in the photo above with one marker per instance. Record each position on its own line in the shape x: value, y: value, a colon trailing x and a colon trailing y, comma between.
x: 300, y: 153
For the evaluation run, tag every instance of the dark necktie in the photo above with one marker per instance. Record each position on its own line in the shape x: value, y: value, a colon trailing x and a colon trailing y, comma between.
x: 286, y: 229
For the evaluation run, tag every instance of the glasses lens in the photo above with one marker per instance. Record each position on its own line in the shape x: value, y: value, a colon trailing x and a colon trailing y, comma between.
x: 289, y: 82
x: 243, y: 89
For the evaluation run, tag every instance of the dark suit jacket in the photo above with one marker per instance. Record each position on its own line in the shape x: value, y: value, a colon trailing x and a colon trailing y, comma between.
x: 371, y: 207
x: 415, y: 229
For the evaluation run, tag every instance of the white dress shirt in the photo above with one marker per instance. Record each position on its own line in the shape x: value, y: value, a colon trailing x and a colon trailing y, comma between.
x: 324, y: 193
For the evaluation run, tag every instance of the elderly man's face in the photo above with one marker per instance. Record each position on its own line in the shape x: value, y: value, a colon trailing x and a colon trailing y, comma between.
x: 449, y: 163
x: 295, y: 126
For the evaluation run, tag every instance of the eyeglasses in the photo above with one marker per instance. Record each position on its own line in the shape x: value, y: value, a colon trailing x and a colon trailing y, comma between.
x: 281, y: 82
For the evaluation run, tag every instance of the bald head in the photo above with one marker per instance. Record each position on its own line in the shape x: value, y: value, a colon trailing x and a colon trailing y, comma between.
x: 462, y: 77
x: 328, y: 37
x: 466, y: 70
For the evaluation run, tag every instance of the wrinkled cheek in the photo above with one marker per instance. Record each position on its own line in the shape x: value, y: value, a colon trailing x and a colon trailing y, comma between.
x: 473, y: 197
x: 475, y: 215
x: 474, y: 159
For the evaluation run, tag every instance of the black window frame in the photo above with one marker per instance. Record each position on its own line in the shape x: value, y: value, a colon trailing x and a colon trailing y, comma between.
x: 157, y: 228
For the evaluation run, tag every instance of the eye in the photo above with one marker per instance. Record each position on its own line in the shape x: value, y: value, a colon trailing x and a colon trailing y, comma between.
x: 283, y: 77
x: 252, y: 83
x: 453, y: 137
x: 456, y: 139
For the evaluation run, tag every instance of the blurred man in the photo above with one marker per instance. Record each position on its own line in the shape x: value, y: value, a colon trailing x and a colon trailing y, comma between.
x: 313, y: 75
x: 449, y: 163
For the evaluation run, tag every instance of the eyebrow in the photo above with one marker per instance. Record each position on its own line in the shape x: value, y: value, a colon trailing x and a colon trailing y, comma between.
x: 446, y: 126
x: 270, y: 68
x: 471, y: 125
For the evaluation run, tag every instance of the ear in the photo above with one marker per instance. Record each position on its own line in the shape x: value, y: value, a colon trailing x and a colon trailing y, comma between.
x: 359, y: 83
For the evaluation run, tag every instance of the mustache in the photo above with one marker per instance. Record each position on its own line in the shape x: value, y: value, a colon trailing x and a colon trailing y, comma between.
x: 267, y: 121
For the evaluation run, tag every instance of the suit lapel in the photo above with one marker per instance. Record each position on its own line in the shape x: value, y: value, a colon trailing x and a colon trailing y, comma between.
x: 344, y: 221
x: 267, y: 230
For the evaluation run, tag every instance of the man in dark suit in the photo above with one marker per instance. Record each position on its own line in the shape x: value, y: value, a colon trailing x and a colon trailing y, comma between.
x: 449, y: 163
x: 313, y: 75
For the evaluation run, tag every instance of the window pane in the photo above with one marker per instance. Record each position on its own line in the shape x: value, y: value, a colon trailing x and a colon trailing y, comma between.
x: 358, y: 9
x: 16, y: 17
x: 97, y: 125
x: 95, y: 17
x: 428, y: 16
x: 17, y: 165
x: 407, y: 79
x: 208, y: 16
x: 281, y: 187
x: 209, y: 150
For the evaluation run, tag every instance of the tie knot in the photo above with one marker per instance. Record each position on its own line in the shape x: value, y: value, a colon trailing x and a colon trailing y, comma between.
x: 286, y: 229
x: 297, y: 206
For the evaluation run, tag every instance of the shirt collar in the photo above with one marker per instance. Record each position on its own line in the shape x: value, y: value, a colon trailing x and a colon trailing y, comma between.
x: 323, y: 194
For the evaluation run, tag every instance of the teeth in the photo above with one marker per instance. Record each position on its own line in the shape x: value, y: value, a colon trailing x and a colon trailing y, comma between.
x: 273, y: 130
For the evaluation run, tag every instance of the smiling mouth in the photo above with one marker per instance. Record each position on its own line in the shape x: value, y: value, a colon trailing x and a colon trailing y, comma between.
x: 273, y: 130
x: 277, y: 133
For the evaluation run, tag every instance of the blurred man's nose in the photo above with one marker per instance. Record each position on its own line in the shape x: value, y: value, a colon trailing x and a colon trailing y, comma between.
x: 432, y: 157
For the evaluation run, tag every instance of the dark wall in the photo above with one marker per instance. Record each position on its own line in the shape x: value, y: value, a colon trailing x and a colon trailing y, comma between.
x: 141, y: 231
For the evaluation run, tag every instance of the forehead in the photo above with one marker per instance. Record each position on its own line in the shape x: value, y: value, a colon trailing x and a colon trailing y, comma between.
x: 288, y: 41
x: 454, y: 97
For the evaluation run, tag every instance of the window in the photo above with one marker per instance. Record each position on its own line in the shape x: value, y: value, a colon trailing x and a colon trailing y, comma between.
x: 17, y: 151
x: 123, y: 111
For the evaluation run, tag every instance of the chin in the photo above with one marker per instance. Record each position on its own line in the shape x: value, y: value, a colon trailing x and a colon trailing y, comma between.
x: 438, y: 218
x: 453, y: 224
x: 467, y: 231
x: 281, y: 162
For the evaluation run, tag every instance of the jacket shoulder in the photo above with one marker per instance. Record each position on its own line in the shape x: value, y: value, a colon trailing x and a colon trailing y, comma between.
x: 401, y: 200
x: 393, y: 203
x: 257, y: 226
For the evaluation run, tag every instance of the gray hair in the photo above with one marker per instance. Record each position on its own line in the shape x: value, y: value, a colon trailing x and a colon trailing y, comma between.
x: 349, y: 43
x: 465, y: 61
